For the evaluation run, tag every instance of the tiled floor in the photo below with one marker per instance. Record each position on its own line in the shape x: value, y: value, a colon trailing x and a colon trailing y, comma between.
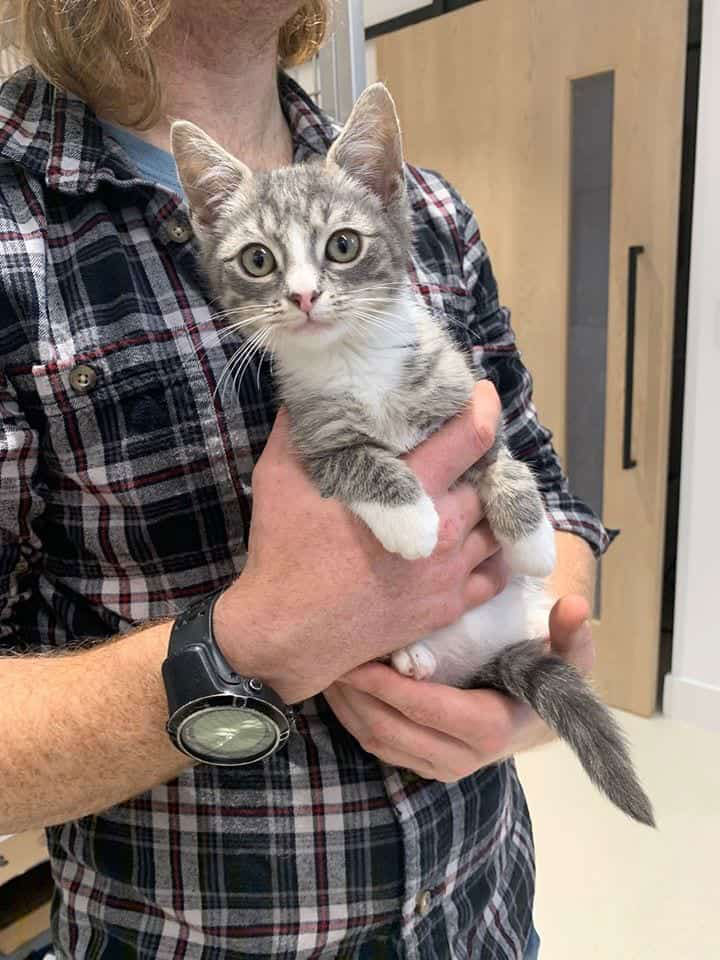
x: 609, y: 889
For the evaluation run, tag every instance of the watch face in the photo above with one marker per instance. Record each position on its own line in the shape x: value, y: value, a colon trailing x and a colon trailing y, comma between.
x: 227, y: 734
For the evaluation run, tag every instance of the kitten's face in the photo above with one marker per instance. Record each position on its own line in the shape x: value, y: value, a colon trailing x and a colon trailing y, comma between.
x: 310, y: 255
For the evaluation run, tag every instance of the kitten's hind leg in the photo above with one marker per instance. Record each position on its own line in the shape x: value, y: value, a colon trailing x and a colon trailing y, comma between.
x: 416, y: 661
x: 454, y: 654
x: 515, y: 511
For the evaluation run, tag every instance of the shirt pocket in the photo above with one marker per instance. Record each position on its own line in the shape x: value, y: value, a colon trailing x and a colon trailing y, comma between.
x: 117, y: 418
x: 137, y: 482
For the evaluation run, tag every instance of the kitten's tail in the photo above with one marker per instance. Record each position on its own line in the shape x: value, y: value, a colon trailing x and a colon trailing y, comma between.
x: 557, y: 692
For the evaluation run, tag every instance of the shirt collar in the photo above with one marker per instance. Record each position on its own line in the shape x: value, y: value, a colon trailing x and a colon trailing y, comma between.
x: 56, y: 136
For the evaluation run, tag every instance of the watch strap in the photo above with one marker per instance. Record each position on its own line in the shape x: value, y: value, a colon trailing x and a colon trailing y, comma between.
x: 195, y: 663
x: 193, y: 628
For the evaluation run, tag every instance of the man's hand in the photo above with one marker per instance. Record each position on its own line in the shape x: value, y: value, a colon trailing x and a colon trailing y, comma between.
x: 446, y: 734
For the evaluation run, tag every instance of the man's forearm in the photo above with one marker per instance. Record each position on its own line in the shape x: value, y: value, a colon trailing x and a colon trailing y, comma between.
x: 83, y: 731
x: 575, y: 567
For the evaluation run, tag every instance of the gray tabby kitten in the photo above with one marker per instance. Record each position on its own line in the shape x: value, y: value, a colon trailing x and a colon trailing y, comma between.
x: 310, y: 262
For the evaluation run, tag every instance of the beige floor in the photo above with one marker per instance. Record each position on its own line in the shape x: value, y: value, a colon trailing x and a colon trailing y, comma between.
x: 609, y: 889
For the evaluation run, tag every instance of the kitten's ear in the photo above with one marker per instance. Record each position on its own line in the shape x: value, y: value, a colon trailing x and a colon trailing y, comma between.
x: 370, y: 146
x: 208, y: 174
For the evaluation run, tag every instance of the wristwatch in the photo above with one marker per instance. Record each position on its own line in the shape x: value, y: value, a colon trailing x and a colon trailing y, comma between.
x: 216, y: 715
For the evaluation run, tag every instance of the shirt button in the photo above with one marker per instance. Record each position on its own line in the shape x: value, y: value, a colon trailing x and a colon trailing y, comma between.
x: 422, y: 903
x: 83, y: 378
x: 179, y: 231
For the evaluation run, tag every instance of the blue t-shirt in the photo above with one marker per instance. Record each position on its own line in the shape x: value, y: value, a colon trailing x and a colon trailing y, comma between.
x: 155, y: 164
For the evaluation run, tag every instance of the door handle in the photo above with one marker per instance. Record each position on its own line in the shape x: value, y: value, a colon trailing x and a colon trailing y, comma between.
x: 628, y: 461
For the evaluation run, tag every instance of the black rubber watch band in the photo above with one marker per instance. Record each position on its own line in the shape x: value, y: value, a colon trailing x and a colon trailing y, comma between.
x: 199, y: 680
x: 193, y: 627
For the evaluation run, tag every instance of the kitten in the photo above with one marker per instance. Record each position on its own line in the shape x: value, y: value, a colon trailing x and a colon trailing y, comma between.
x: 310, y: 262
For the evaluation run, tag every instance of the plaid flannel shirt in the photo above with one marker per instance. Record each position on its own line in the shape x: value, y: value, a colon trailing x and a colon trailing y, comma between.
x: 125, y: 495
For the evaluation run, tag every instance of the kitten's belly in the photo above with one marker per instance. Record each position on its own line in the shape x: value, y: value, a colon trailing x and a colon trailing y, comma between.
x: 519, y: 613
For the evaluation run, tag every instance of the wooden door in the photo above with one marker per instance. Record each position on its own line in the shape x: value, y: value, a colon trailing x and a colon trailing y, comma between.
x: 489, y: 96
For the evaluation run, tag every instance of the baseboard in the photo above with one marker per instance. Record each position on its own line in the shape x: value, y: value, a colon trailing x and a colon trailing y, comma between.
x: 691, y: 702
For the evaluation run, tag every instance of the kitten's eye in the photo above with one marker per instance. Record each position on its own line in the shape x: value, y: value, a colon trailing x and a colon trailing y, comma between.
x: 257, y: 260
x: 343, y: 246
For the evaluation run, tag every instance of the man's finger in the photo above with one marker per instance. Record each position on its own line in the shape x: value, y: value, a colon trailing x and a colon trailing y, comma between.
x: 443, y: 458
x: 570, y: 632
x: 279, y: 444
x: 486, y: 581
x: 390, y: 735
x: 460, y: 512
x: 281, y: 457
x: 479, y: 545
x: 483, y: 719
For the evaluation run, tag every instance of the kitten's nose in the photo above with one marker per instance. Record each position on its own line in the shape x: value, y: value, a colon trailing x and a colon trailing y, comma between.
x: 304, y: 300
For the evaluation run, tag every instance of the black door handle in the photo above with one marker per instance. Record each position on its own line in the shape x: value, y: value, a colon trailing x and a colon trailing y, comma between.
x: 628, y: 461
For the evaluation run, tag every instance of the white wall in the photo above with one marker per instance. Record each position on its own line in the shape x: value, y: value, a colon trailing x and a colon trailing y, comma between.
x: 307, y: 77
x: 376, y: 11
x: 692, y: 689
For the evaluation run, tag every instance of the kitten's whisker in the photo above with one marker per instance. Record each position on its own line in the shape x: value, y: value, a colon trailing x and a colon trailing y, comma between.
x: 236, y: 328
x: 268, y: 346
x: 241, y: 366
x: 385, y: 284
x: 246, y: 356
x: 242, y: 313
x: 234, y: 323
x: 247, y: 348
x: 379, y: 321
x: 362, y: 315
x: 441, y: 320
x: 250, y: 356
x: 374, y: 303
x: 250, y: 305
x: 232, y: 362
x: 385, y: 327
x: 239, y: 311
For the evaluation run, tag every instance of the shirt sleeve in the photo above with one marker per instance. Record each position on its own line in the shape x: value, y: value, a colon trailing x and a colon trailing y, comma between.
x: 496, y: 356
x: 21, y: 503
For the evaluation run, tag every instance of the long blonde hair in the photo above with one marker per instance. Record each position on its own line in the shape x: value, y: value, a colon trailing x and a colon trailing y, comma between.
x: 101, y: 50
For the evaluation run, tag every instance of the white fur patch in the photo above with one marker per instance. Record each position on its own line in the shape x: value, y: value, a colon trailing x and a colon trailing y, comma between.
x: 533, y: 556
x: 300, y: 274
x: 410, y: 530
x: 519, y: 613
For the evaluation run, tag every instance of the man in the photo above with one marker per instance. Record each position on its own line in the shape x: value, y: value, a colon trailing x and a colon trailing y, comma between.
x: 124, y: 498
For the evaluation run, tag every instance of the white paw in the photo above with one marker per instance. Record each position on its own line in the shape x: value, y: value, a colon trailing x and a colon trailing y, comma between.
x: 415, y: 661
x: 410, y: 530
x: 533, y: 556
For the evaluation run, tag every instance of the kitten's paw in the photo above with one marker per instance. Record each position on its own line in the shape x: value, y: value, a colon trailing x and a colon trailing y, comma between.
x: 533, y: 556
x: 415, y: 661
x: 410, y: 530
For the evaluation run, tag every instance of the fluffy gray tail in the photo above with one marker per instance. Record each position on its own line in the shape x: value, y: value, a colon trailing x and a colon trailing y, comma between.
x: 557, y: 692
